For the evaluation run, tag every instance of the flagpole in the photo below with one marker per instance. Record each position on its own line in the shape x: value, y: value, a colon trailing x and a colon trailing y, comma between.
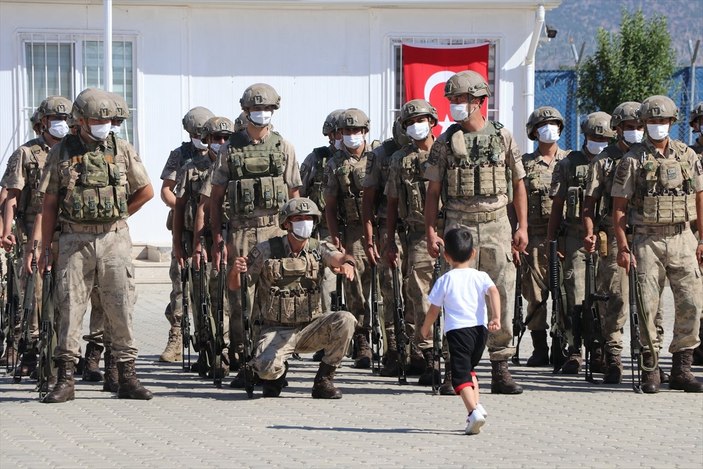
x: 530, y: 61
x: 107, y: 45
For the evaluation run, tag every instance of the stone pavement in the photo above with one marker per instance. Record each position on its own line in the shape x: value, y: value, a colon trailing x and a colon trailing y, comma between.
x: 558, y: 421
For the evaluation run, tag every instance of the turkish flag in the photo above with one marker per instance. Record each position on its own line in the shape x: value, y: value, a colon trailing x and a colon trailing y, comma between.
x: 426, y: 70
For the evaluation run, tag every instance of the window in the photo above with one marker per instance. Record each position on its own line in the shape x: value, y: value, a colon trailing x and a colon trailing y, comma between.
x: 398, y: 92
x: 64, y: 64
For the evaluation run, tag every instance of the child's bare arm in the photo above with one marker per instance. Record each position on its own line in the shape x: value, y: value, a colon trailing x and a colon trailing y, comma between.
x: 494, y: 309
x: 430, y: 318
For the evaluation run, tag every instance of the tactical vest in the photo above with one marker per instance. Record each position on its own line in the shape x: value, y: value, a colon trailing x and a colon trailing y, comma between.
x: 187, y: 153
x: 413, y: 189
x: 476, y: 165
x: 537, y: 182
x: 93, y: 186
x: 31, y: 200
x: 389, y: 147
x: 576, y: 185
x: 257, y: 175
x: 350, y: 173
x: 322, y: 155
x: 605, y: 204
x: 196, y: 178
x: 294, y: 297
x: 665, y: 191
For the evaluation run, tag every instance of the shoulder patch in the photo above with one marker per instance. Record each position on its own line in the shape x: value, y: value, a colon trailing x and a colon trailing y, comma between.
x: 621, y: 172
x: 699, y: 166
x: 254, y: 254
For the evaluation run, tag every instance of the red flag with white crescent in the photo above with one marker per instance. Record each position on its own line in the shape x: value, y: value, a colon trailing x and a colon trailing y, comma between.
x: 426, y: 70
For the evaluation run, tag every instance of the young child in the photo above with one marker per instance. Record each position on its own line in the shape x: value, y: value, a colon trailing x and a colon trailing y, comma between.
x: 462, y: 292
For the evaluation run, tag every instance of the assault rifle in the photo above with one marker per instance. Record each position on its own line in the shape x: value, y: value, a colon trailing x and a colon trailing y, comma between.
x: 401, y: 335
x: 25, y: 343
x: 559, y: 350
x: 376, y: 333
x: 47, y: 337
x: 519, y: 325
x: 246, y: 329
x: 185, y: 320
x: 204, y: 334
x: 219, y: 340
x: 591, y: 328
x: 437, y: 329
x: 338, y: 298
x: 12, y: 306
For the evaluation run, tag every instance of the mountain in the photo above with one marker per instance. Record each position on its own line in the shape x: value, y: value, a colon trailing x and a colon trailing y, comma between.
x: 578, y: 21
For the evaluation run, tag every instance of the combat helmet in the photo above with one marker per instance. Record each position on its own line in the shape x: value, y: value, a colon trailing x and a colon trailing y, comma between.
x: 417, y: 107
x: 657, y: 107
x: 217, y: 125
x: 466, y: 82
x: 541, y: 115
x: 330, y: 124
x: 55, y: 106
x: 94, y: 103
x: 260, y: 94
x: 597, y: 124
x: 298, y: 206
x: 240, y: 123
x: 195, y: 119
x: 696, y: 113
x: 627, y: 111
x: 353, y: 118
x: 122, y: 108
x: 35, y: 120
x: 399, y: 135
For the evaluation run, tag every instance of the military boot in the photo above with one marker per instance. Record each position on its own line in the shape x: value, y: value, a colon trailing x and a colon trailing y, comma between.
x: 28, y: 363
x: 273, y: 387
x: 650, y: 379
x: 323, y: 387
x: 111, y: 383
x: 663, y: 377
x: 447, y: 388
x: 681, y: 377
x: 698, y: 351
x: 501, y: 380
x: 418, y: 365
x: 318, y: 356
x: 540, y: 353
x: 598, y: 364
x: 363, y: 350
x: 426, y: 378
x: 572, y: 366
x: 130, y: 387
x: 65, y: 385
x: 174, y: 346
x: 613, y: 372
x: 391, y: 359
x: 91, y: 369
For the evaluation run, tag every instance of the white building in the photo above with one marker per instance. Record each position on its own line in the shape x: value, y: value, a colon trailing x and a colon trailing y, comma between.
x: 169, y: 56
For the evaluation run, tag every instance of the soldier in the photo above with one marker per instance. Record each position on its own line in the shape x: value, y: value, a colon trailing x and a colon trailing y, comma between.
x: 91, y: 183
x: 660, y: 183
x: 24, y: 202
x: 293, y: 321
x: 193, y: 123
x: 311, y: 173
x: 343, y: 188
x: 696, y: 123
x: 567, y: 186
x: 545, y: 125
x: 472, y: 165
x: 258, y: 170
x: 406, y: 190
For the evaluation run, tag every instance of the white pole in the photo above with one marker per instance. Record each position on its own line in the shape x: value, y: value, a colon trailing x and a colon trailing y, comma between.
x: 107, y: 45
x: 530, y: 62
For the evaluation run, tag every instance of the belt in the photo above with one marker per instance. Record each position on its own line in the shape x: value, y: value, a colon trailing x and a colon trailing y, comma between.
x: 255, y: 222
x: 665, y: 230
x: 93, y: 229
x: 478, y: 217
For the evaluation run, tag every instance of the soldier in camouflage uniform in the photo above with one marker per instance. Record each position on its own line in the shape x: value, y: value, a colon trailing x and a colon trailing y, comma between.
x: 568, y: 184
x: 24, y: 203
x: 193, y: 122
x: 258, y: 170
x: 545, y: 125
x: 696, y: 122
x: 471, y: 166
x: 343, y: 189
x: 406, y: 190
x: 91, y: 183
x: 311, y: 173
x: 659, y: 182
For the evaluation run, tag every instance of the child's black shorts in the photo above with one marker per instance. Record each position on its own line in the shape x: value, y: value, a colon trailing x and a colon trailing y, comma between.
x: 466, y: 347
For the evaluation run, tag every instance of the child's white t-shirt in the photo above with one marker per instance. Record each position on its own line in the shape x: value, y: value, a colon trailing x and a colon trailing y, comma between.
x: 462, y: 294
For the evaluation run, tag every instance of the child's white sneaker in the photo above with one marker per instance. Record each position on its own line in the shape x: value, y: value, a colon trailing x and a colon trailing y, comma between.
x: 474, y: 422
x: 482, y: 409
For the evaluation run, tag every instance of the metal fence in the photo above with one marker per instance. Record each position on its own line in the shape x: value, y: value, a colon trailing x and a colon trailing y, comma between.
x: 557, y: 88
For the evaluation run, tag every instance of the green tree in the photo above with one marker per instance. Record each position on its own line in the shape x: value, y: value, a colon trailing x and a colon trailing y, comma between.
x: 629, y: 65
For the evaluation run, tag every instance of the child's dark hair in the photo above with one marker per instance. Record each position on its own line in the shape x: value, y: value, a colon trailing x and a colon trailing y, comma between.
x: 459, y: 244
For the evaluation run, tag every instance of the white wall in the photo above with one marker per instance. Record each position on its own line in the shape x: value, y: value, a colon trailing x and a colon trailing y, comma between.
x: 317, y: 59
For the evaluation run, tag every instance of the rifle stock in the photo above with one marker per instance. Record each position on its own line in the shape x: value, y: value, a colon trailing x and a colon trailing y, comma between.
x: 47, y: 336
x: 185, y: 320
x: 558, y: 340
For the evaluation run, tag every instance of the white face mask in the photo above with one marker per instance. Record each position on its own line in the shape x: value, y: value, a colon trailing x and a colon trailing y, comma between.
x: 658, y: 131
x: 302, y: 229
x: 548, y: 133
x: 197, y: 143
x: 115, y: 129
x: 633, y: 136
x: 59, y: 129
x: 338, y: 144
x: 353, y: 141
x: 459, y: 112
x: 418, y: 131
x: 595, y: 147
x: 99, y: 132
x: 260, y: 118
x: 215, y: 147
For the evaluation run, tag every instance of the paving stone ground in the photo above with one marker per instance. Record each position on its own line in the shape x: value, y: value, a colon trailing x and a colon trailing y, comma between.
x: 559, y: 421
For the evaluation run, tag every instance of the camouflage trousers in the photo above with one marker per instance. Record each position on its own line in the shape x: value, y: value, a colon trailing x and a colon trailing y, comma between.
x: 329, y: 278
x: 419, y: 268
x: 670, y: 256
x: 574, y: 278
x: 493, y: 242
x: 97, y: 316
x: 535, y: 279
x: 86, y: 260
x: 385, y: 275
x: 358, y: 291
x: 331, y: 332
x: 174, y: 312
